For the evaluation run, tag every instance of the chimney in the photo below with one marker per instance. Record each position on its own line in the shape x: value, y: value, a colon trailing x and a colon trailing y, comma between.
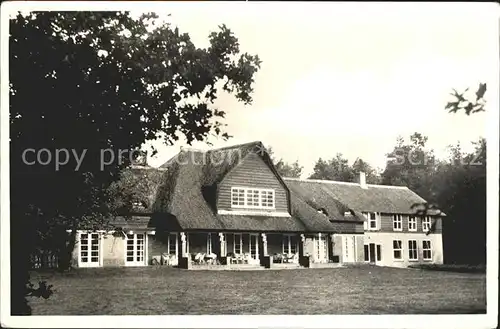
x: 362, y: 180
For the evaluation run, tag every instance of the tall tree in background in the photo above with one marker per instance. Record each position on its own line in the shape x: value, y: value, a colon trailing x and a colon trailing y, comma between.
x: 285, y: 169
x: 411, y: 164
x: 460, y: 187
x: 92, y: 81
x: 338, y: 169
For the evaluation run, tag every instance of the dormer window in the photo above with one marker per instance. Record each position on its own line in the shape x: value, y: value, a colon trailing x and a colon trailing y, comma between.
x: 371, y: 223
x: 138, y: 205
x: 323, y: 211
x: 253, y: 198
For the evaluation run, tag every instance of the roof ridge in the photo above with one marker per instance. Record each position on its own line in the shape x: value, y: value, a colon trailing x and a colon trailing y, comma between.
x: 326, y: 181
x: 235, y: 146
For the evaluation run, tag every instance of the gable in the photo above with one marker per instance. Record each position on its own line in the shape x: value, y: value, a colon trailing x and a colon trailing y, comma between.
x: 252, y: 171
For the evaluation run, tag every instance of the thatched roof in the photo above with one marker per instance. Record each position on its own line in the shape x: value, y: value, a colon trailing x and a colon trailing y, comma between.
x: 190, y: 195
x: 181, y: 195
x: 374, y: 198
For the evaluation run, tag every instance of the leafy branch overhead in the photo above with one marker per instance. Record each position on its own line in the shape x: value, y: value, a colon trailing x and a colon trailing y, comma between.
x: 94, y: 81
x: 461, y: 103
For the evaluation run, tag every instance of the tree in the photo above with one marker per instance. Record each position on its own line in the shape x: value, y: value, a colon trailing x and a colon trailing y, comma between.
x: 338, y: 169
x: 460, y: 185
x: 285, y: 169
x: 87, y: 89
x: 462, y: 103
x: 411, y: 164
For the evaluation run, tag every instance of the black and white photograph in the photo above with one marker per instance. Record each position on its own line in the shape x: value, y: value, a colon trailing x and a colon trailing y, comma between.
x: 249, y: 164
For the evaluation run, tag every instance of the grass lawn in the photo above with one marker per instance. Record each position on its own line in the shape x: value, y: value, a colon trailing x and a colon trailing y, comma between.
x: 357, y: 290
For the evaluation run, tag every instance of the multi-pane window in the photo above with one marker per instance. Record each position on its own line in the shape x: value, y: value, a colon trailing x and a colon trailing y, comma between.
x: 267, y: 198
x: 172, y: 244
x: 371, y: 223
x: 237, y: 197
x: 89, y: 250
x: 290, y: 243
x: 426, y: 224
x: 209, y: 243
x: 252, y: 198
x: 397, y: 247
x: 412, y: 250
x: 427, y: 250
x: 397, y: 222
x: 238, y: 244
x: 412, y: 223
x: 135, y: 249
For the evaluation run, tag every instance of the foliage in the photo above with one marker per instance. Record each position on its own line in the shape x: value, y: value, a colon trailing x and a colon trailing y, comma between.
x: 338, y: 169
x: 462, y: 103
x: 285, y: 169
x: 411, y: 164
x: 85, y: 82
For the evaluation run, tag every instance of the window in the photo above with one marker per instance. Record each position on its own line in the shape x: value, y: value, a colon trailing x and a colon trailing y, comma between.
x: 237, y: 244
x: 209, y: 243
x: 349, y: 246
x: 135, y: 249
x: 426, y: 224
x: 371, y: 224
x: 426, y: 248
x: 172, y: 244
x: 290, y: 244
x: 237, y: 197
x: 397, y: 222
x: 412, y: 223
x: 367, y: 253
x: 397, y: 247
x: 90, y: 250
x: 379, y: 252
x: 267, y: 199
x: 252, y: 198
x: 412, y: 250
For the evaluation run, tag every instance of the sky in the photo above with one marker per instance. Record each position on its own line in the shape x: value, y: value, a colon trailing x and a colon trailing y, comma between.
x: 350, y: 78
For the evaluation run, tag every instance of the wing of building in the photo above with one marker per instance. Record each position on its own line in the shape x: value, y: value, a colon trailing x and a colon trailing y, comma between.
x: 229, y: 207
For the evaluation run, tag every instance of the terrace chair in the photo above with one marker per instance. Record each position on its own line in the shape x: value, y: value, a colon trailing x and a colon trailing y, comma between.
x: 246, y: 258
x: 210, y: 258
x: 199, y: 258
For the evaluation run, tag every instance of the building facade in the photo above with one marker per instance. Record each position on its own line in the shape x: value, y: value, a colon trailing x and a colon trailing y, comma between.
x: 229, y: 207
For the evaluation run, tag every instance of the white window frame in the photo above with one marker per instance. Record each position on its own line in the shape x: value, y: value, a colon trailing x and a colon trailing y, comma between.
x: 144, y: 261
x: 240, y: 240
x: 424, y: 249
x: 397, y: 222
x: 286, y: 244
x: 410, y: 249
x: 367, y: 225
x: 173, y: 235
x: 349, y: 244
x: 99, y: 263
x: 209, y: 243
x: 426, y: 224
x: 246, y: 191
x: 412, y: 223
x: 400, y: 249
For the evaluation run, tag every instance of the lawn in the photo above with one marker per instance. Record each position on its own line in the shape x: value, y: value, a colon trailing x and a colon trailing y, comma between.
x: 357, y: 290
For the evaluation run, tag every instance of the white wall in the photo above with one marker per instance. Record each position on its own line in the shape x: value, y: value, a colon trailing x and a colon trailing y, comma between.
x: 385, y: 239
